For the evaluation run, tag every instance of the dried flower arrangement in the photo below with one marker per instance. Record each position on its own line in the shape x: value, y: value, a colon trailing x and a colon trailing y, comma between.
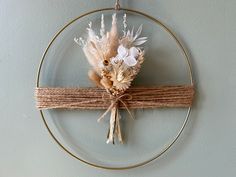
x: 115, y: 61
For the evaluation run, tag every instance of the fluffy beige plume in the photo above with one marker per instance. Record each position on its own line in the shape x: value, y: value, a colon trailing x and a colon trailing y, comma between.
x: 97, y: 49
x: 113, y: 39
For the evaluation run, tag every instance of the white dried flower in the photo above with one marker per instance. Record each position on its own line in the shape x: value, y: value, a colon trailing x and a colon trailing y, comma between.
x: 102, y: 30
x: 127, y: 55
x: 124, y: 24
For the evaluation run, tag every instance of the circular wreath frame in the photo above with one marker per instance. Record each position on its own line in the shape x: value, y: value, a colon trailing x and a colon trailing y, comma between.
x: 168, y: 146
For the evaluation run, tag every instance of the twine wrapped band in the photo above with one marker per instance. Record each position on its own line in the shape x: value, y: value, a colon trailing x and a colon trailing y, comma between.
x: 97, y: 98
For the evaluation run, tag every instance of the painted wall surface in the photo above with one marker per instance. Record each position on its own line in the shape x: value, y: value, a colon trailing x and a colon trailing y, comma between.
x: 208, y: 146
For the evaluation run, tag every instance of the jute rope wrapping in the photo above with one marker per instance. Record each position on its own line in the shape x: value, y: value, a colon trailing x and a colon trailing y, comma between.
x: 97, y: 98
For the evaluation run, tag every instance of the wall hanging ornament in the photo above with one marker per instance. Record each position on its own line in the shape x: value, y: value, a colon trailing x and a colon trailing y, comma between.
x: 114, y: 64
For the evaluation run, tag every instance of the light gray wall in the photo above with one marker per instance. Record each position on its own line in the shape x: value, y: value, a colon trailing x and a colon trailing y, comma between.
x: 208, y: 145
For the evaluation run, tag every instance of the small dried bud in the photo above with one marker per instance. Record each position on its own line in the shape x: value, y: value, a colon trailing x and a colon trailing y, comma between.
x: 106, y: 83
x: 95, y: 78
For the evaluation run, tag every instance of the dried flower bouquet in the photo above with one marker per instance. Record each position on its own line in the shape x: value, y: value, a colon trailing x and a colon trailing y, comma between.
x: 115, y: 61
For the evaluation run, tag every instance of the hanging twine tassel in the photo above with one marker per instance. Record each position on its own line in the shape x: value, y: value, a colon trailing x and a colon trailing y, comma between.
x: 114, y: 129
x: 113, y: 121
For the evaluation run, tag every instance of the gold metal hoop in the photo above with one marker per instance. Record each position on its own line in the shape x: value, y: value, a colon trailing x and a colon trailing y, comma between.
x: 190, y: 78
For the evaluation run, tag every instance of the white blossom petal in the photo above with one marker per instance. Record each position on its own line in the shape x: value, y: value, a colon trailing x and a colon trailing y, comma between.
x: 133, y: 51
x: 122, y: 51
x: 130, y: 61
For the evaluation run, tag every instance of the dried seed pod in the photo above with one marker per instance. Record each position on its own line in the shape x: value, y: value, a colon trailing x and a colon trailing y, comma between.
x: 105, y: 62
